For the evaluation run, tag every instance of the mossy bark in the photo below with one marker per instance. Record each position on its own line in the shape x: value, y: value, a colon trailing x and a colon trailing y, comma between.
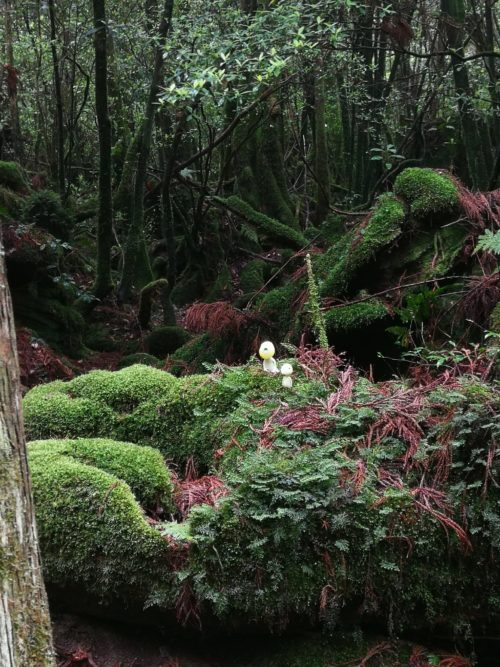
x: 321, y: 167
x: 25, y: 632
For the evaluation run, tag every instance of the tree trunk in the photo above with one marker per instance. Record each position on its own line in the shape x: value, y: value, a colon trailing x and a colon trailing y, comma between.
x: 61, y: 175
x: 135, y: 237
x: 25, y: 633
x: 105, y: 217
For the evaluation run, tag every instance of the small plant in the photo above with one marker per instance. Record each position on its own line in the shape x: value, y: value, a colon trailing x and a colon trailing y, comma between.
x: 317, y: 317
x: 488, y: 242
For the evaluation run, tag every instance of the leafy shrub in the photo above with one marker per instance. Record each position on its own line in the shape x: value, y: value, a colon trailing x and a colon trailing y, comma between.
x: 45, y: 210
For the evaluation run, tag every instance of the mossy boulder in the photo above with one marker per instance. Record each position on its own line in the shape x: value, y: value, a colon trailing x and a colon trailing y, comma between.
x: 200, y: 350
x: 92, y: 529
x: 122, y: 390
x: 51, y: 414
x: 253, y: 276
x: 427, y: 192
x: 12, y: 176
x: 142, y: 358
x: 142, y: 468
x: 276, y: 306
x: 166, y: 340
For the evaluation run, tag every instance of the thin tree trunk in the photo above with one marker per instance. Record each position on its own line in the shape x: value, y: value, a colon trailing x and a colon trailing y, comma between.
x: 61, y: 176
x: 105, y: 216
x: 135, y: 237
x: 25, y: 633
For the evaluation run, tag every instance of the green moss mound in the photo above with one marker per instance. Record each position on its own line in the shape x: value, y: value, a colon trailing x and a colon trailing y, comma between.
x: 49, y: 414
x: 276, y: 306
x: 142, y: 468
x: 122, y: 390
x: 93, y: 531
x: 196, y: 353
x: 12, y: 176
x: 253, y: 276
x: 427, y: 192
x: 340, y: 265
x: 166, y: 340
x: 141, y: 358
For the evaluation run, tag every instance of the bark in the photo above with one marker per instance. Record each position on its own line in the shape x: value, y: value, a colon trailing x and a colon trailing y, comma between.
x: 105, y: 217
x: 25, y: 633
x: 321, y: 166
x: 453, y: 12
x: 135, y: 239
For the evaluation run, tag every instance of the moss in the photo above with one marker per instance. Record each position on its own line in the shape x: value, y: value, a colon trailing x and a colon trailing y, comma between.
x: 165, y: 340
x: 93, y: 532
x: 356, y: 316
x: 10, y: 202
x: 263, y: 223
x: 45, y: 210
x: 59, y: 324
x: 122, y: 390
x: 142, y: 468
x: 427, y: 192
x: 52, y: 414
x: 332, y: 229
x: 495, y: 320
x: 222, y: 287
x: 201, y: 350
x: 252, y: 276
x: 276, y: 307
x: 12, y: 176
x: 187, y: 289
x: 98, y: 337
x: 345, y: 259
x: 139, y: 358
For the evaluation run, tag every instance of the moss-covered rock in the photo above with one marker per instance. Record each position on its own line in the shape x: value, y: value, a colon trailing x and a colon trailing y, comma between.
x: 276, y: 306
x: 142, y: 358
x: 12, y: 176
x: 253, y: 276
x: 142, y: 468
x: 222, y: 287
x: 201, y: 350
x: 166, y: 340
x: 122, y: 390
x: 93, y: 532
x: 56, y: 415
x: 427, y: 192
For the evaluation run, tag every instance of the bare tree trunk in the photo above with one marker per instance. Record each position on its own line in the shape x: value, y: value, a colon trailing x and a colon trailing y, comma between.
x: 25, y: 633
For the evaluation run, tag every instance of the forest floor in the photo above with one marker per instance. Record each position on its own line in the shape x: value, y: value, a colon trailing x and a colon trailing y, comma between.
x: 85, y: 642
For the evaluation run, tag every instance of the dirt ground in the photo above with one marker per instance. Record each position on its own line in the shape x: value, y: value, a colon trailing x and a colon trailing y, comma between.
x: 85, y: 642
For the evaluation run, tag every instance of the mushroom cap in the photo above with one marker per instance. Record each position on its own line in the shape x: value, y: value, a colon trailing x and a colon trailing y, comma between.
x: 286, y: 369
x: 266, y: 350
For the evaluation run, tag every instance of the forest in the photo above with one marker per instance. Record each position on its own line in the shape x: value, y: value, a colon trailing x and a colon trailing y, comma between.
x: 249, y: 333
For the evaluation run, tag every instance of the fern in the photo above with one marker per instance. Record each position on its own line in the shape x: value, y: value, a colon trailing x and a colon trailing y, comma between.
x: 489, y: 242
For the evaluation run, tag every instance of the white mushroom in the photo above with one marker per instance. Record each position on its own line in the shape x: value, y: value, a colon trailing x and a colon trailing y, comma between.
x: 287, y: 372
x: 267, y: 352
